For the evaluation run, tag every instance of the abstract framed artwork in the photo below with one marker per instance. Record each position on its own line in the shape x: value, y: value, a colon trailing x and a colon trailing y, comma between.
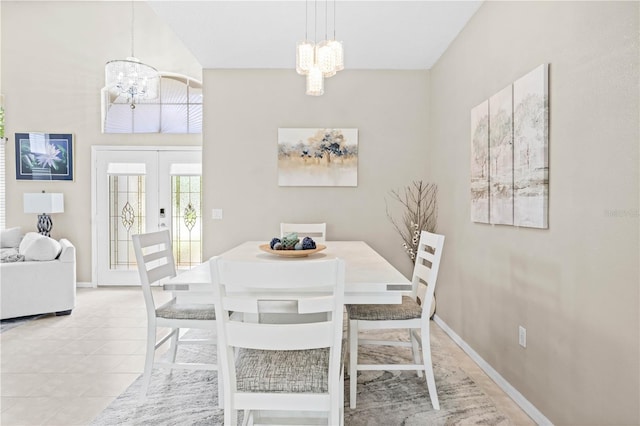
x: 510, y: 141
x: 44, y: 156
x: 317, y: 157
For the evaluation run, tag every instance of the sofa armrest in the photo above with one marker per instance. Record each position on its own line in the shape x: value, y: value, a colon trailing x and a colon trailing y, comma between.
x: 68, y: 253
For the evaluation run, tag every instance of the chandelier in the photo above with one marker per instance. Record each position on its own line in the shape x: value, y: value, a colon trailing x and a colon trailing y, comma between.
x: 319, y: 60
x: 131, y: 78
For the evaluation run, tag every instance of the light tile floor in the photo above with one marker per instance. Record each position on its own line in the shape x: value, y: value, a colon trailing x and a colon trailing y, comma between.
x: 65, y: 370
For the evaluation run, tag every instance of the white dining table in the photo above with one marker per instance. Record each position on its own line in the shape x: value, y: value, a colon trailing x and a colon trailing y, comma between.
x: 369, y: 277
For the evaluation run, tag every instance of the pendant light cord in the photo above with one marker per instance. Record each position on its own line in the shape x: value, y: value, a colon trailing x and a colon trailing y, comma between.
x: 334, y: 19
x: 326, y: 18
x: 306, y: 19
x: 315, y: 21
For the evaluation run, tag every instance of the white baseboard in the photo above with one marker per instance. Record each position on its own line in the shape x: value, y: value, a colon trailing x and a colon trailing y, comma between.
x: 512, y: 392
x: 84, y: 284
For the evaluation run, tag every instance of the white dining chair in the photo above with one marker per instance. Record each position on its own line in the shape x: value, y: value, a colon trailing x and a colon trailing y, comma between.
x: 316, y: 231
x: 287, y: 373
x: 154, y: 256
x: 410, y: 315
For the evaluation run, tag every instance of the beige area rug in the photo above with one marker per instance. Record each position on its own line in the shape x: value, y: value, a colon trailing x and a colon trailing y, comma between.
x: 384, y: 398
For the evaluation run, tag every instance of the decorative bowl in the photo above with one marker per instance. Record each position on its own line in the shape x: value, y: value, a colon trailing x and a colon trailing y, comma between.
x: 292, y: 253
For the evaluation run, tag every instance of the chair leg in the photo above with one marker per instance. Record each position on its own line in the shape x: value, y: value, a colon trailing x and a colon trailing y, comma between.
x: 336, y: 401
x: 415, y: 350
x: 173, y: 349
x: 148, y: 360
x: 353, y: 362
x: 230, y: 417
x: 334, y: 416
x: 428, y: 367
x: 247, y: 419
x: 341, y: 407
x: 220, y: 388
x: 348, y: 352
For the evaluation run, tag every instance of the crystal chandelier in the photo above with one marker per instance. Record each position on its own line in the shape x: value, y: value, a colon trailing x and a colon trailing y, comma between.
x: 319, y: 60
x: 130, y: 77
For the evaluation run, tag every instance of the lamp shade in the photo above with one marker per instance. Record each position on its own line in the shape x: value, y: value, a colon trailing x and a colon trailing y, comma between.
x: 315, y: 81
x: 44, y: 202
x: 304, y: 57
x: 326, y: 58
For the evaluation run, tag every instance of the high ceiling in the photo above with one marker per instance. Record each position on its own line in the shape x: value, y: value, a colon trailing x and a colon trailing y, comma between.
x: 263, y: 34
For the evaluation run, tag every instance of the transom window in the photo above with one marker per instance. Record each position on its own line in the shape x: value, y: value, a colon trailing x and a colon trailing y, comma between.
x: 177, y: 109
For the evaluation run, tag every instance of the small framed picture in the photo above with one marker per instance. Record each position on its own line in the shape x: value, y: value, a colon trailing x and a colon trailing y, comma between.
x: 44, y: 156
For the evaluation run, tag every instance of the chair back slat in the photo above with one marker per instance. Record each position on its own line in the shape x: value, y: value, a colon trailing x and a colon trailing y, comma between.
x: 310, y: 305
x: 422, y: 272
x: 159, y: 272
x: 423, y: 254
x: 156, y: 255
x: 307, y: 305
x: 280, y: 336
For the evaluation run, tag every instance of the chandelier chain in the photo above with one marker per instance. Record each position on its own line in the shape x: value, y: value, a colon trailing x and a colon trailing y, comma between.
x: 132, y: 22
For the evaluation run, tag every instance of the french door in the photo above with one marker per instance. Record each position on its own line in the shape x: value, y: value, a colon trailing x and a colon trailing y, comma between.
x: 138, y: 190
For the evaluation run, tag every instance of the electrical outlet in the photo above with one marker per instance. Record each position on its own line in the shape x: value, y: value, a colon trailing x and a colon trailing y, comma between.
x: 522, y: 336
x: 216, y: 214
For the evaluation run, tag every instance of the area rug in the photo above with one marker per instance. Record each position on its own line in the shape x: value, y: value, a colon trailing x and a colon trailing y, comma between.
x: 384, y: 398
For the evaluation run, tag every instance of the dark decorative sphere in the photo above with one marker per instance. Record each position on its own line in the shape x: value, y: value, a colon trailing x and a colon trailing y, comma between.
x: 273, y: 242
x: 308, y: 243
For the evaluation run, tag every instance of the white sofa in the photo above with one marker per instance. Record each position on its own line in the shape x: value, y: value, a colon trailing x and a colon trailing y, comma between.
x: 38, y: 287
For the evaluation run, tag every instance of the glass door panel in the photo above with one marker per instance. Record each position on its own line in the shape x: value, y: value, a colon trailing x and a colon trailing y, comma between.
x: 127, y: 216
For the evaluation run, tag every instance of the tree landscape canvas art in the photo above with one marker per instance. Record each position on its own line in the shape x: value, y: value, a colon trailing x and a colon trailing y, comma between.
x: 480, y: 163
x: 317, y: 157
x: 509, y: 154
x: 530, y: 145
x: 501, y: 158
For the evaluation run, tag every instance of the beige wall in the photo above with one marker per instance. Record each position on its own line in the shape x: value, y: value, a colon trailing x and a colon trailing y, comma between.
x: 243, y: 112
x: 573, y: 286
x: 53, y: 56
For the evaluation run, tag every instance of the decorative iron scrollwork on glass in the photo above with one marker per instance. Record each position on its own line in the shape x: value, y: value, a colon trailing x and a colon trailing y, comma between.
x: 190, y: 216
x: 128, y: 216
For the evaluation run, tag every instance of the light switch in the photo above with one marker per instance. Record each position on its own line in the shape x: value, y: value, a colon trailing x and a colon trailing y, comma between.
x: 216, y: 214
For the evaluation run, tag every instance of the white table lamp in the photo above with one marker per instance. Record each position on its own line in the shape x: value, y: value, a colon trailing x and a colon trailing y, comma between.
x: 44, y: 203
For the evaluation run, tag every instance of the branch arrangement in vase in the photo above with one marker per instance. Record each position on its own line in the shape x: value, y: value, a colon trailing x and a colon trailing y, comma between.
x: 420, y: 204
